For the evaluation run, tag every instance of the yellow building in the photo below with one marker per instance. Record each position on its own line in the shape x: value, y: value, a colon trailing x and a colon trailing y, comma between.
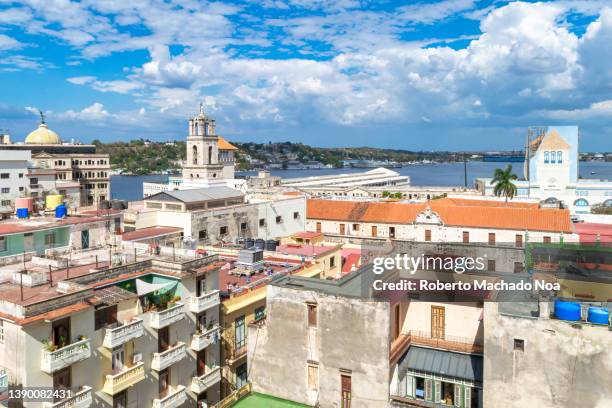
x: 247, y: 305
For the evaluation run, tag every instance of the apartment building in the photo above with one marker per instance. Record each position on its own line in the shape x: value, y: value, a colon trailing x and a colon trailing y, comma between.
x: 216, y: 214
x: 80, y: 174
x: 142, y: 334
x: 450, y: 220
x: 13, y: 178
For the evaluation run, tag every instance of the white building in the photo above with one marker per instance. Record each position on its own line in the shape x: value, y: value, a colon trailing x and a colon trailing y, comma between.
x: 13, y: 178
x: 379, y: 177
x: 551, y: 172
x: 210, y: 161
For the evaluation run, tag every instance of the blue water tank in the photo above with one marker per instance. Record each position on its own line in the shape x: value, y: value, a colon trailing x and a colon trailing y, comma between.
x: 60, y: 211
x: 22, y: 213
x: 599, y: 315
x: 567, y: 310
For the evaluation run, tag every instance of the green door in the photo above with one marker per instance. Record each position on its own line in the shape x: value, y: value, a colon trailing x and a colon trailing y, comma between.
x: 85, y: 239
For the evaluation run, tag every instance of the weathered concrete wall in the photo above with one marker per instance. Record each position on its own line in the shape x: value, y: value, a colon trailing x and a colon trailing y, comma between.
x: 562, y: 366
x: 352, y: 336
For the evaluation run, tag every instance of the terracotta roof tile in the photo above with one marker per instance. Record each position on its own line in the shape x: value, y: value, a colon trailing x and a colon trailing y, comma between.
x: 225, y: 145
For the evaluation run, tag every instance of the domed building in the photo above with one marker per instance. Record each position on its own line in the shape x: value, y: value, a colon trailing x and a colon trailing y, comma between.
x: 43, y: 135
x: 74, y: 170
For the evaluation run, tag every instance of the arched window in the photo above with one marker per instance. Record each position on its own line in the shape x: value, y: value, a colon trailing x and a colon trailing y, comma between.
x: 581, y: 202
x: 194, y: 154
x: 608, y: 203
x: 560, y: 157
x: 546, y: 157
x: 553, y: 157
x: 209, y: 154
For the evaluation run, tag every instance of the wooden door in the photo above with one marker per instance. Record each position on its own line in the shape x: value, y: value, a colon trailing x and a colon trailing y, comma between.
x: 318, y: 227
x: 163, y: 339
x: 491, y: 238
x: 164, y: 383
x: 466, y: 237
x: 374, y: 231
x: 346, y: 390
x: 518, y: 241
x: 61, y: 332
x: 437, y: 322
x: 201, y: 362
x: 397, y: 327
x: 118, y: 360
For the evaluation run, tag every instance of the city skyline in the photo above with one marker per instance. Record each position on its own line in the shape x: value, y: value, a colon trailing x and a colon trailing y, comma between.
x: 441, y: 75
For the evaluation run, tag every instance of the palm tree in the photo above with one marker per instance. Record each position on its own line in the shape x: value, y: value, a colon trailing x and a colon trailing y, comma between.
x: 503, y: 182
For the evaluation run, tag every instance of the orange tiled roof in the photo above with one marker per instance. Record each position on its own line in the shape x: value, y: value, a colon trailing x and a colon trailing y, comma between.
x: 486, y: 203
x: 477, y: 214
x: 225, y: 145
x: 554, y: 141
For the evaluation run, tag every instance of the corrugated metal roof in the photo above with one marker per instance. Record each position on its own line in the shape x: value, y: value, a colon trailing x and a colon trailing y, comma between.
x: 198, y: 194
x: 444, y: 363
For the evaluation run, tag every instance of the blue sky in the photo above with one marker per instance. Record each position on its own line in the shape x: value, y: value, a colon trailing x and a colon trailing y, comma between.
x: 431, y: 75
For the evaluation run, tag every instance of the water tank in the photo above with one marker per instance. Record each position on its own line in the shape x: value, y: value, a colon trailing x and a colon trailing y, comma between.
x: 22, y: 213
x: 25, y: 202
x: 61, y: 211
x: 260, y: 243
x: 271, y: 245
x: 599, y: 315
x: 53, y: 200
x: 567, y: 310
x: 249, y: 242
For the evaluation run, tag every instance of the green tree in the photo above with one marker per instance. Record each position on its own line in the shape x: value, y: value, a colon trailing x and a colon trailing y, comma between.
x: 503, y: 181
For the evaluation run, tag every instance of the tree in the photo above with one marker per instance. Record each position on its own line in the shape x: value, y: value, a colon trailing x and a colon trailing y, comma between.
x: 502, y: 179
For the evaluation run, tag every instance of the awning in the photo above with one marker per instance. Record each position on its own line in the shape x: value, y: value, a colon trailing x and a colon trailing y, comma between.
x: 443, y: 363
x: 143, y: 288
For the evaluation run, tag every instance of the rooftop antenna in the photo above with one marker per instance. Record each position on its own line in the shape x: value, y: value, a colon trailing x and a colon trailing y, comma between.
x: 42, y: 117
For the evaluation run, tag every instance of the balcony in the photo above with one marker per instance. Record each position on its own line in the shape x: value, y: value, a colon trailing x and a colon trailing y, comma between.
x: 52, y: 361
x: 205, y: 381
x: 176, y: 398
x: 203, y: 340
x: 204, y: 302
x: 115, y: 383
x: 166, y: 317
x: 236, y: 353
x: 122, y: 334
x: 80, y: 399
x: 165, y: 359
x: 451, y: 343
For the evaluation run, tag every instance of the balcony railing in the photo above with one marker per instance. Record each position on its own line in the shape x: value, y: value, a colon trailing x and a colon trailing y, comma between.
x: 79, y: 399
x: 122, y: 334
x: 115, y: 383
x: 203, y: 340
x: 205, y: 381
x: 52, y: 361
x: 452, y: 343
x: 167, y: 358
x: 204, y: 302
x: 176, y: 398
x: 236, y: 353
x: 166, y: 317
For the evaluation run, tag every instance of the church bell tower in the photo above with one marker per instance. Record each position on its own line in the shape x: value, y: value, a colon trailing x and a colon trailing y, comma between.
x: 202, y: 149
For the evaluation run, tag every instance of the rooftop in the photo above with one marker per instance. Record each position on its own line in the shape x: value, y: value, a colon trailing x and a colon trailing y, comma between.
x: 467, y: 213
x: 150, y: 232
x: 256, y: 400
x: 196, y: 195
x: 305, y: 250
x: 43, y: 223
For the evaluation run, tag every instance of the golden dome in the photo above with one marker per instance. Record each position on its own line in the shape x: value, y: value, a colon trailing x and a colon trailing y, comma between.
x: 43, y: 135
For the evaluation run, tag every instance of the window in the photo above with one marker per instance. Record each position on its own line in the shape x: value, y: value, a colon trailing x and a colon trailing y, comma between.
x: 312, y: 315
x: 318, y: 227
x: 518, y: 241
x: 240, y: 333
x: 518, y: 267
x: 6, y: 202
x: 332, y: 261
x: 105, y: 317
x: 241, y: 375
x: 279, y: 219
x: 260, y: 313
x: 391, y: 232
x: 546, y: 157
x: 427, y: 235
x: 313, y: 377
x: 20, y: 175
x: 519, y: 345
x: 296, y: 215
x: 491, y: 265
x: 374, y: 230
x: 553, y: 157
x: 21, y: 188
x: 1, y: 331
x: 223, y: 230
x: 243, y: 226
x: 342, y: 229
x: 4, y: 175
x: 491, y: 238
x: 559, y: 157
x: 581, y: 202
x: 203, y: 234
x: 262, y: 222
x: 50, y: 238
x: 546, y: 240
x: 6, y: 190
x: 466, y: 237
x: 345, y: 381
x: 355, y: 227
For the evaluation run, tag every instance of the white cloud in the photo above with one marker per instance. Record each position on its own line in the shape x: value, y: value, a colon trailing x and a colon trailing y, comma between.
x: 95, y: 112
x: 8, y: 43
x: 117, y: 86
